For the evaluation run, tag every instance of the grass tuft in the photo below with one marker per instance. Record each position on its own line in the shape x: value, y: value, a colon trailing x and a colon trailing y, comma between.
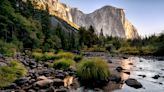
x: 11, y: 72
x: 93, y: 71
x: 64, y: 64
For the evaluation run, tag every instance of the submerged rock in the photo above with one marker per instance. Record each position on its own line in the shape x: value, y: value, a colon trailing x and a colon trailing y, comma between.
x: 142, y: 76
x: 119, y: 69
x: 125, y: 57
x: 133, y: 83
x: 127, y: 73
x: 115, y: 78
x: 155, y: 76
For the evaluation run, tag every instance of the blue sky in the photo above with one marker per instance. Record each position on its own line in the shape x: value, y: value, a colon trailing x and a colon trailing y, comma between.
x: 146, y: 15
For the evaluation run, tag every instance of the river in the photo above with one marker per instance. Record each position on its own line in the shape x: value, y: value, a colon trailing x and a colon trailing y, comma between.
x: 141, y: 69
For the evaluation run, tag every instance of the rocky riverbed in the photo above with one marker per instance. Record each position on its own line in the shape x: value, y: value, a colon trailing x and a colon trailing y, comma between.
x: 128, y: 74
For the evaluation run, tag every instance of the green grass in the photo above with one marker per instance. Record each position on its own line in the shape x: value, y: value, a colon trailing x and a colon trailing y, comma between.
x: 49, y: 56
x: 92, y: 70
x: 67, y: 55
x: 38, y: 56
x: 11, y: 72
x: 64, y: 63
x: 77, y: 58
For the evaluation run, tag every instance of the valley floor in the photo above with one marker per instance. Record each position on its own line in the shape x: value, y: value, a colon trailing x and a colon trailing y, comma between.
x: 148, y: 72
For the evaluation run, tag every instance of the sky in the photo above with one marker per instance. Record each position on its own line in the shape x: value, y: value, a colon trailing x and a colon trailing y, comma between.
x: 146, y: 15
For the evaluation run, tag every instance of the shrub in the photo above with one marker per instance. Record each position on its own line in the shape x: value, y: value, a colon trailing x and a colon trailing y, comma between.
x: 37, y: 56
x: 93, y: 72
x: 18, y: 68
x: 49, y: 56
x: 7, y: 49
x: 63, y: 64
x: 67, y: 55
x: 10, y: 73
x: 77, y: 58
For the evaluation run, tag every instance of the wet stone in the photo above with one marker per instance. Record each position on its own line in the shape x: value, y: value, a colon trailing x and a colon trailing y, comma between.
x: 133, y: 83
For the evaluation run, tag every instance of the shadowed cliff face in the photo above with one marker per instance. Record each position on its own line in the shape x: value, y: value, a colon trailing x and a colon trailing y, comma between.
x: 110, y: 19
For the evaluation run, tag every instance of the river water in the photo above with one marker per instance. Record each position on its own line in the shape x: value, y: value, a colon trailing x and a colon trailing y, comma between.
x: 136, y: 66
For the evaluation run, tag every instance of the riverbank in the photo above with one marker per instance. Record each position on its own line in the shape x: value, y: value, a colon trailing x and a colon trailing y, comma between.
x: 42, y: 78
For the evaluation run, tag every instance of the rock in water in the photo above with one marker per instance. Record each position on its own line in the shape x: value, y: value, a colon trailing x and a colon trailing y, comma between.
x: 133, y: 83
x: 119, y: 69
x: 156, y: 77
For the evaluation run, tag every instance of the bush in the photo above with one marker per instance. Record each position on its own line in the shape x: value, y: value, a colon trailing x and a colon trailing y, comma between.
x: 49, y: 56
x: 7, y: 49
x: 37, y: 56
x: 63, y: 64
x: 10, y: 73
x: 93, y: 72
x: 77, y: 58
x: 67, y: 55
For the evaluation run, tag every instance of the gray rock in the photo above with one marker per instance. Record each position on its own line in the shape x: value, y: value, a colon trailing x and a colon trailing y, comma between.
x: 43, y: 83
x: 156, y: 76
x: 58, y: 82
x: 133, y: 83
x: 21, y: 81
x: 115, y: 78
x: 127, y: 73
x: 2, y: 64
x: 119, y: 69
x: 142, y: 76
x: 60, y: 76
x: 61, y: 90
x: 31, y: 90
x: 12, y: 86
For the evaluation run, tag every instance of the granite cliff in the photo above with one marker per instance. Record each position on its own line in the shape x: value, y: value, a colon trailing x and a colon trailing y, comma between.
x: 110, y: 19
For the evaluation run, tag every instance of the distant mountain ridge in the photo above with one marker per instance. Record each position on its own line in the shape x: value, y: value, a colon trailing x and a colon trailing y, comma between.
x: 110, y: 19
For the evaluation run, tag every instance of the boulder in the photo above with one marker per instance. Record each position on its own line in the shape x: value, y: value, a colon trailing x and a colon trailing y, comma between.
x: 61, y: 90
x: 58, y: 82
x: 42, y: 78
x: 109, y: 61
x: 43, y: 83
x: 12, y: 86
x: 31, y: 90
x: 133, y: 83
x: 60, y: 76
x: 21, y: 81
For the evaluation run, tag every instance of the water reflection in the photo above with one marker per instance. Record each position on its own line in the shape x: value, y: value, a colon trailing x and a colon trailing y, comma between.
x: 125, y: 64
x: 135, y: 67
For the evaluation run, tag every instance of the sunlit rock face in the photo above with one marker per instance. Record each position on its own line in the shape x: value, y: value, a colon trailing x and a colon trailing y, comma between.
x: 110, y: 19
x: 54, y: 7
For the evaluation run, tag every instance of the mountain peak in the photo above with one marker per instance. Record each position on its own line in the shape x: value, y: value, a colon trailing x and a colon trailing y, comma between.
x: 111, y: 19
